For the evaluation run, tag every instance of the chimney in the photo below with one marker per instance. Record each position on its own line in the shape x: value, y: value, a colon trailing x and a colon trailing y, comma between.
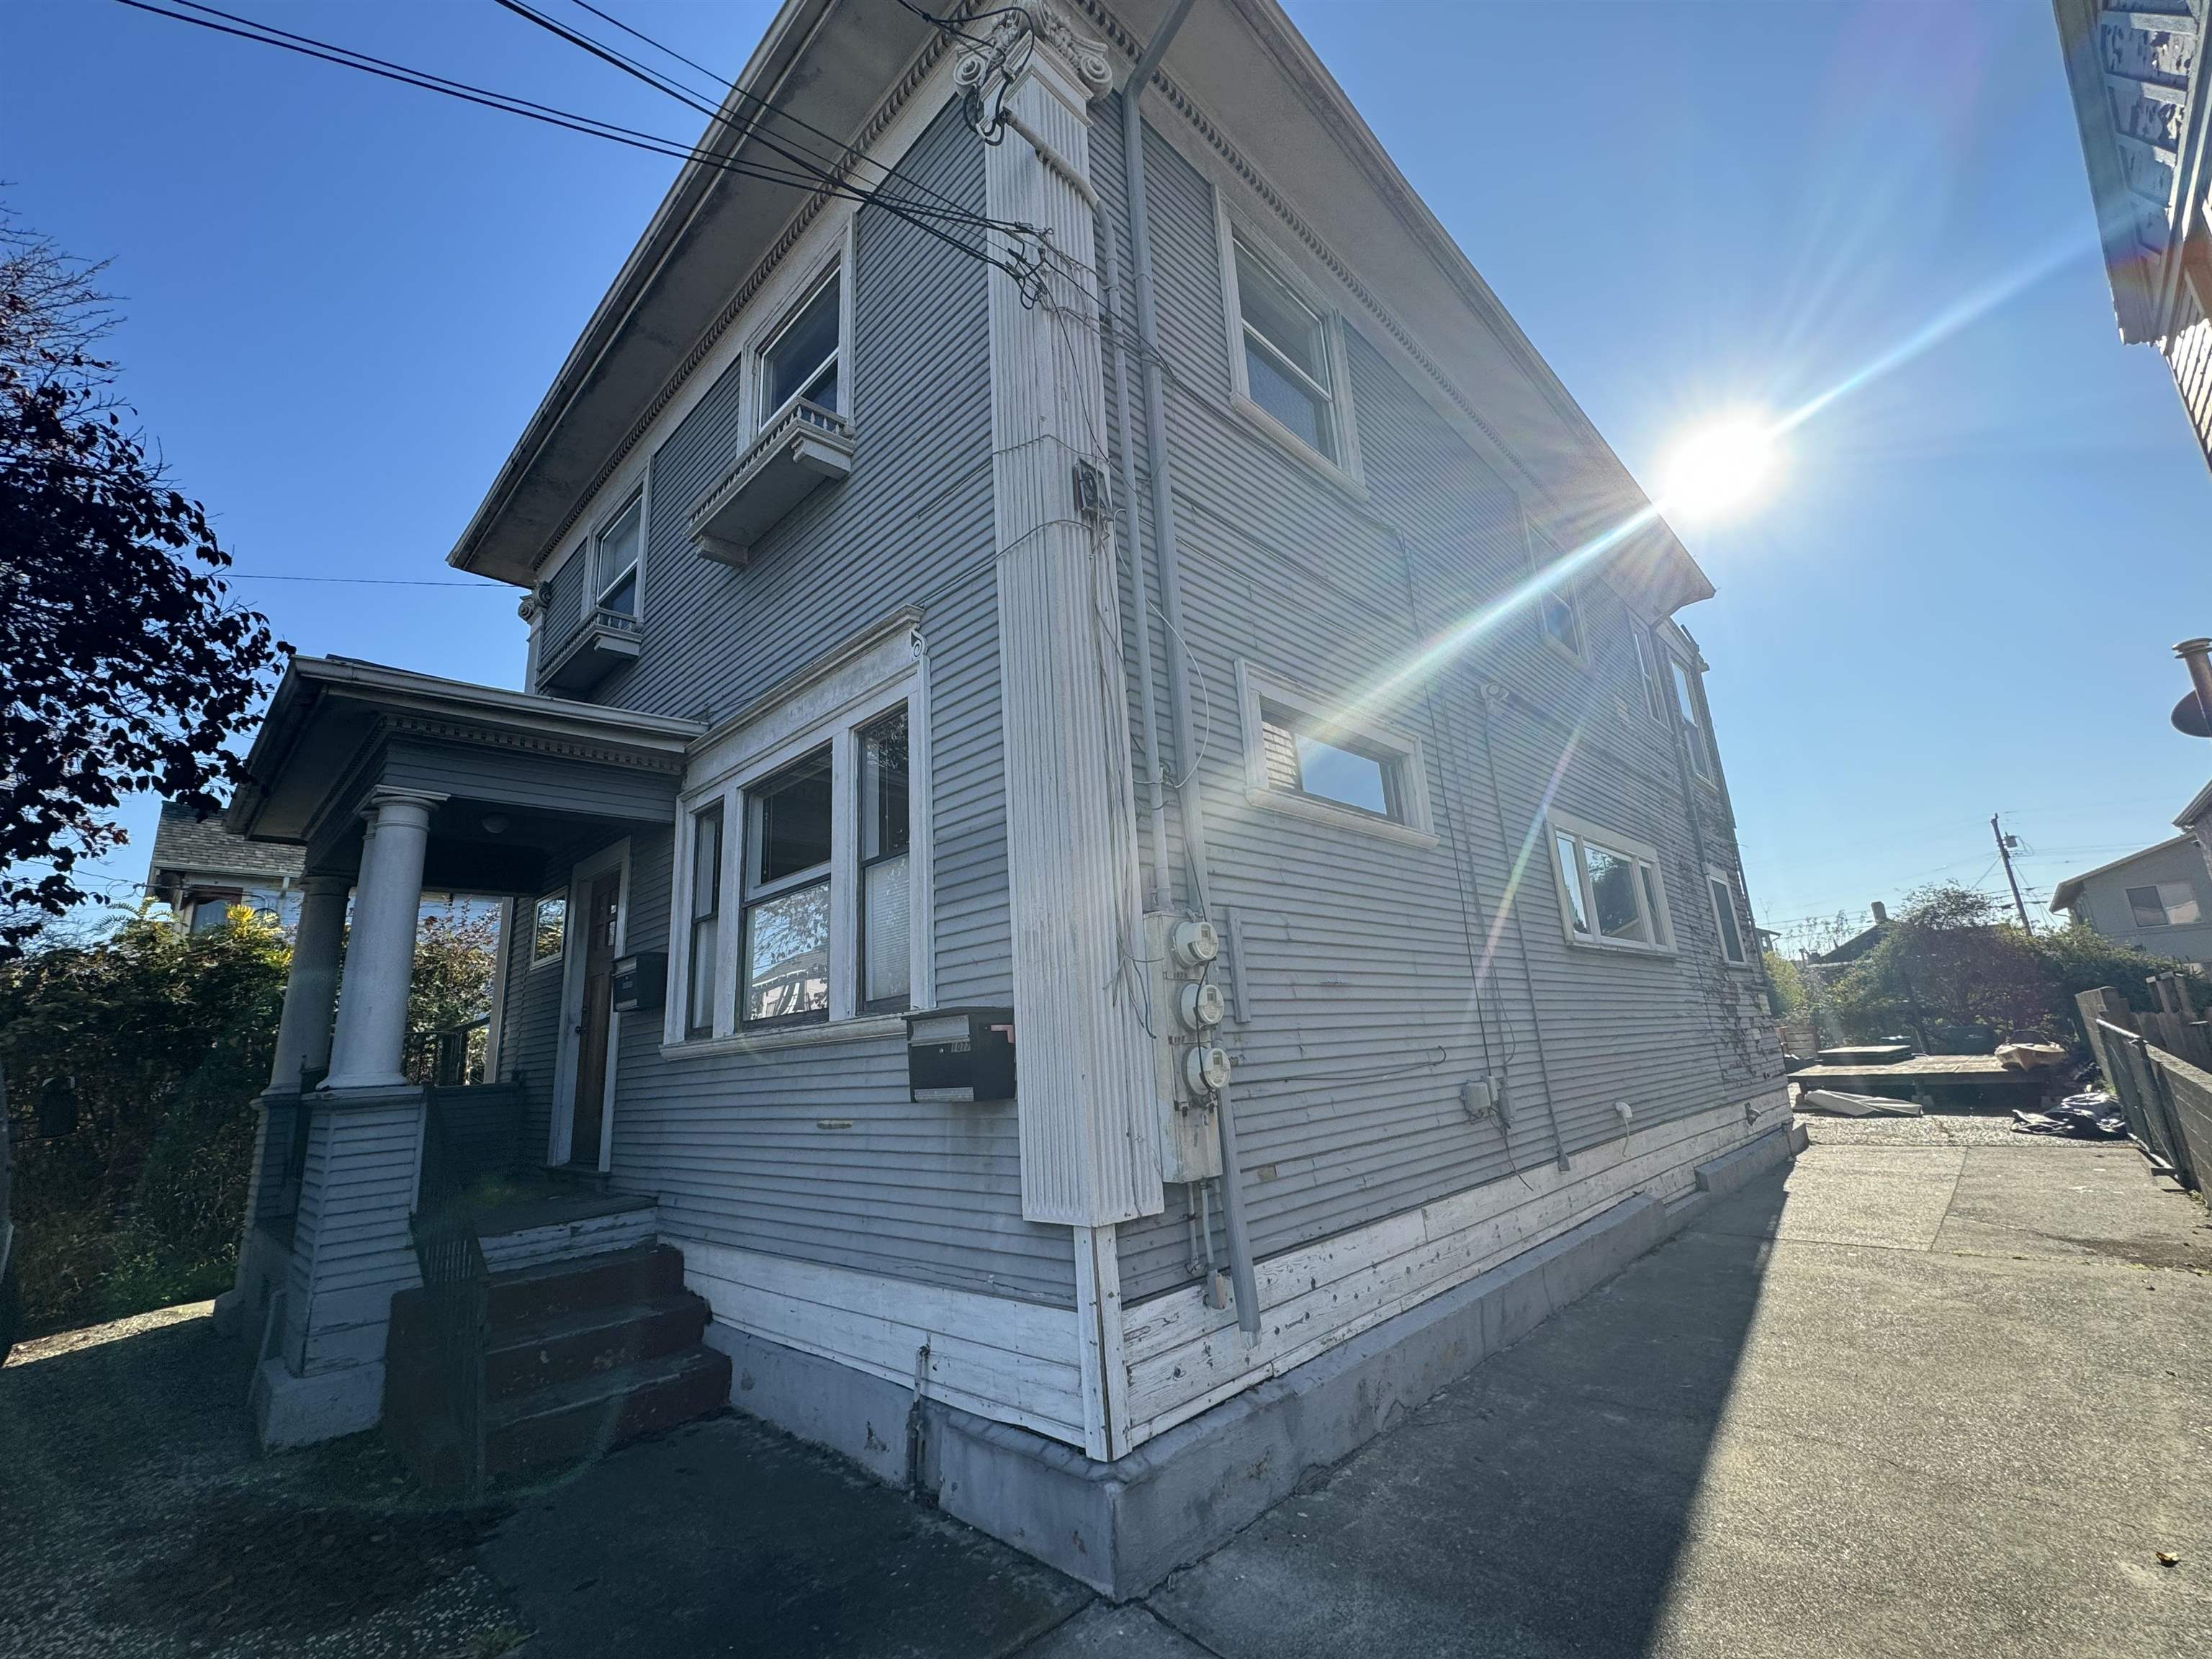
x: 1881, y: 913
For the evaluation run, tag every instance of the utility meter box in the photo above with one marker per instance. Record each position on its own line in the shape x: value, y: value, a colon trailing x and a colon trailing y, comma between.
x: 960, y: 1054
x: 641, y: 981
x: 1186, y: 1010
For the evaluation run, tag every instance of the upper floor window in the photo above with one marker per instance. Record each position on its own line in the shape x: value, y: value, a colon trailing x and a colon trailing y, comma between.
x: 1689, y: 705
x: 1287, y: 370
x: 614, y: 558
x: 802, y: 358
x: 1655, y: 695
x: 2168, y: 904
x: 1303, y: 755
x: 1727, y: 917
x: 1559, y: 608
x: 1611, y: 893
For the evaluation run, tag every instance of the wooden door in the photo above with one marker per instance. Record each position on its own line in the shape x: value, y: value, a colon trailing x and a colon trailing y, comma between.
x: 589, y: 1111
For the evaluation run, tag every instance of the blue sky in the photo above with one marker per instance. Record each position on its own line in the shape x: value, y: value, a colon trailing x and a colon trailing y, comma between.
x: 343, y: 299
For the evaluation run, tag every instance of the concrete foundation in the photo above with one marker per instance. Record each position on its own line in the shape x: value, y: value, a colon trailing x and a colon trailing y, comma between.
x: 1122, y: 1527
x: 301, y: 1411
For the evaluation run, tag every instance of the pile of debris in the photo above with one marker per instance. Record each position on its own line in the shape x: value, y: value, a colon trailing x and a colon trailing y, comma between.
x: 2091, y: 1116
x: 1837, y: 1102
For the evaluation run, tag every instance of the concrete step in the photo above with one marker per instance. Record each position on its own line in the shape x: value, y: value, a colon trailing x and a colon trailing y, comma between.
x: 577, y: 1420
x: 563, y: 1347
x: 612, y: 1281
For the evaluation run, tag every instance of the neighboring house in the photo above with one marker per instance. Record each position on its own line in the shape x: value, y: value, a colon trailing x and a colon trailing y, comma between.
x: 991, y: 1087
x: 201, y: 870
x: 2159, y: 900
x: 2130, y: 66
x: 1859, y: 943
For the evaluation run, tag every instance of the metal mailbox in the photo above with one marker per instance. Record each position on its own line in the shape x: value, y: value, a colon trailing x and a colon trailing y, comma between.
x: 641, y: 981
x: 960, y: 1054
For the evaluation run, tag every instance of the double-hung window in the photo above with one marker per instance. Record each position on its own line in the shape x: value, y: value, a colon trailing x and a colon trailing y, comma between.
x: 1559, y: 608
x: 1612, y: 896
x: 1727, y: 917
x: 1655, y: 695
x: 2168, y: 904
x: 784, y: 961
x: 1285, y: 365
x: 803, y: 358
x: 801, y: 898
x: 886, y: 885
x: 615, y: 552
x: 704, y: 955
x: 1690, y: 707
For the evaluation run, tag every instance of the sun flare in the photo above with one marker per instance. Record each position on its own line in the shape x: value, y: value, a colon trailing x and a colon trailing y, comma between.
x: 1720, y: 468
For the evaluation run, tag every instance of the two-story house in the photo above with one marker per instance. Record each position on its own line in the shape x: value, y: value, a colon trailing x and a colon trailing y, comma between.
x: 1111, y: 810
x: 2159, y: 900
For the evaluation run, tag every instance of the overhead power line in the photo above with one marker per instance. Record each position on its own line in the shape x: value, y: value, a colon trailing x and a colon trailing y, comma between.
x: 808, y: 177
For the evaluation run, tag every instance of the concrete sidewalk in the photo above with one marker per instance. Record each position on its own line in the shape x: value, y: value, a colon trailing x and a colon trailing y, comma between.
x: 1940, y: 1390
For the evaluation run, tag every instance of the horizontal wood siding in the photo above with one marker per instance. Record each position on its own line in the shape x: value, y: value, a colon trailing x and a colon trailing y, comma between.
x: 1379, y: 977
x: 817, y: 1152
x: 558, y: 785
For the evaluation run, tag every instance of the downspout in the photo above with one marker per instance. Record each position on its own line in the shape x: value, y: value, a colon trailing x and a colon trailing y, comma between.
x: 1171, y: 610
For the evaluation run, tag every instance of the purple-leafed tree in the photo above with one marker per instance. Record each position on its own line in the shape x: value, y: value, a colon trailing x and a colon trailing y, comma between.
x: 125, y: 663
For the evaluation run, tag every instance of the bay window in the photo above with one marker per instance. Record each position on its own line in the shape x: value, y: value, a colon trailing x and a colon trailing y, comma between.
x: 1612, y: 896
x: 801, y: 827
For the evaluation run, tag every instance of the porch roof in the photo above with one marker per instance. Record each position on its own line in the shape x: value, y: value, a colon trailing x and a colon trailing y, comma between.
x: 516, y: 775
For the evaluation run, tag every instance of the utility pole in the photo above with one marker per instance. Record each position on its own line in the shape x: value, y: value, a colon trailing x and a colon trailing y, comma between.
x: 2005, y: 851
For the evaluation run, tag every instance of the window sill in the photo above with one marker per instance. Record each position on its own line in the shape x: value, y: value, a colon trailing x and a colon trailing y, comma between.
x: 1566, y: 653
x: 1623, y: 948
x: 1297, y: 447
x: 547, y: 962
x: 861, y: 1028
x: 1343, y: 818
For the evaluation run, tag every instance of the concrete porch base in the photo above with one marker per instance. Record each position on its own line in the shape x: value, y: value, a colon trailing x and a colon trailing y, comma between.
x: 1122, y: 1527
x: 301, y: 1411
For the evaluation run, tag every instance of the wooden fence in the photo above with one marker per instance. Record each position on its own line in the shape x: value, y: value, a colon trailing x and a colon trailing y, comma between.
x: 2159, y: 1067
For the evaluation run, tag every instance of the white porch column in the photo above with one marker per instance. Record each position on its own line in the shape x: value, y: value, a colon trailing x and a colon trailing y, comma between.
x: 370, y: 1042
x: 1088, y: 1156
x: 311, y: 990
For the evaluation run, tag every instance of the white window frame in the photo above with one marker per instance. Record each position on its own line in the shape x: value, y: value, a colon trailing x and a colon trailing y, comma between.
x: 827, y: 705
x: 1344, y: 470
x: 635, y: 570
x: 1540, y: 542
x: 1647, y: 670
x: 1719, y: 884
x: 537, y: 961
x: 1650, y: 867
x: 780, y: 307
x: 1256, y: 687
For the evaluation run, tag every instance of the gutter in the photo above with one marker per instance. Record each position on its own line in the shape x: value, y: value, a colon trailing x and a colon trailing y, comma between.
x: 1171, y: 609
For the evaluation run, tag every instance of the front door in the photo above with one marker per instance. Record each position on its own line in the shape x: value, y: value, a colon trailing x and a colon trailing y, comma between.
x: 589, y: 1111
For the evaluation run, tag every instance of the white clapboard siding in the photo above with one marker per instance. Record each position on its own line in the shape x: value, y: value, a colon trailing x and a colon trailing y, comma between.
x: 1014, y: 1362
x: 1183, y: 1356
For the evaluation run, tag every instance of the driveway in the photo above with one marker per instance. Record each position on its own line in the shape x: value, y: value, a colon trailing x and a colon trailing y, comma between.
x: 1940, y: 1391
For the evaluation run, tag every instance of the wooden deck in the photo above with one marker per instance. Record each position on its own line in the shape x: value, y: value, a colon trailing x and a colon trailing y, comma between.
x: 1965, y: 1079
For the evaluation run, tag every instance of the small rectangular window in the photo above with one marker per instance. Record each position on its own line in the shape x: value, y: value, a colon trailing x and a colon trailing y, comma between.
x: 614, y: 559
x: 706, y: 920
x: 1611, y: 892
x: 886, y: 884
x: 801, y: 361
x: 1726, y: 919
x: 1286, y: 354
x: 785, y: 964
x: 1558, y: 611
x: 548, y: 934
x: 1308, y: 757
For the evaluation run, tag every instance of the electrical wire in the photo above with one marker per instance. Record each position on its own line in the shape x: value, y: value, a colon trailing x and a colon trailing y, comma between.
x: 589, y: 126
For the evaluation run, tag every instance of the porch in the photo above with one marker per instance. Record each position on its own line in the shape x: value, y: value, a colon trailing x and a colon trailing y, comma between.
x: 368, y: 1184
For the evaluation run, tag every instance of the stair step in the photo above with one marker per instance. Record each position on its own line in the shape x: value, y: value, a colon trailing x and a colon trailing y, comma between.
x: 563, y: 1347
x: 576, y: 1419
x: 640, y: 1273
